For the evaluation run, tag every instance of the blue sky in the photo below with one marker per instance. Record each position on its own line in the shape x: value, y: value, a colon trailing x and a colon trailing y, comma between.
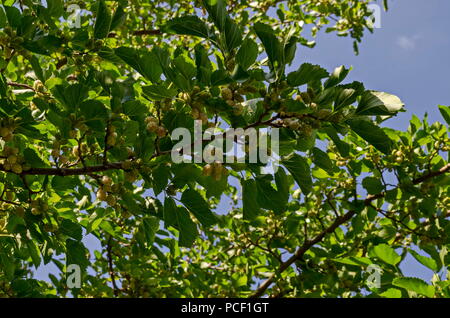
x: 408, y: 56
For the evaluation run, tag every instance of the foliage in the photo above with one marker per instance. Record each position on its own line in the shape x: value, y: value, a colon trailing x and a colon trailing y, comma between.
x: 86, y: 119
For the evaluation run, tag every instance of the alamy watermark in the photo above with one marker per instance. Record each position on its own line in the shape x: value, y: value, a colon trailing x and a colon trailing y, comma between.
x: 374, y: 278
x: 375, y: 18
x: 73, y: 276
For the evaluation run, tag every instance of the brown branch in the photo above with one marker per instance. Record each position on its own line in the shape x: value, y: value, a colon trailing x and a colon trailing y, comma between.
x: 147, y: 32
x: 69, y: 171
x: 111, y: 267
x: 20, y: 85
x: 338, y: 222
x: 430, y: 175
x: 138, y: 33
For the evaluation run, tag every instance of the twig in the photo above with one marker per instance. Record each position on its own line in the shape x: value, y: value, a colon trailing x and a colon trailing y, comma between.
x: 111, y: 268
x: 338, y: 222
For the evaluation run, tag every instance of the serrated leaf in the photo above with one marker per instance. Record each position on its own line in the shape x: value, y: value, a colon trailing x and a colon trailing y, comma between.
x: 445, y: 112
x: 118, y: 18
x: 247, y: 53
x: 387, y: 254
x: 392, y: 293
x: 159, y: 92
x: 424, y: 260
x: 93, y: 109
x: 321, y: 159
x: 300, y: 170
x: 187, y: 25
x: 271, y: 43
x: 338, y: 75
x: 306, y: 73
x: 218, y: 12
x: 60, y: 183
x: 102, y: 21
x: 146, y: 63
x: 379, y: 103
x: 76, y: 253
x: 195, y: 203
x: 372, y: 185
x: 179, y: 218
x: 267, y: 197
x: 250, y: 205
x: 415, y: 285
x: 71, y: 229
x: 372, y: 134
x: 233, y: 35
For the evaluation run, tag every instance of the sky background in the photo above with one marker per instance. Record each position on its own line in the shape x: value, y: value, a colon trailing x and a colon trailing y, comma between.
x: 408, y: 57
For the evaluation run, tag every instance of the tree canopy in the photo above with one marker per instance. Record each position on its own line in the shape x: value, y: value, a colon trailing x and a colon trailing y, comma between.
x: 91, y: 92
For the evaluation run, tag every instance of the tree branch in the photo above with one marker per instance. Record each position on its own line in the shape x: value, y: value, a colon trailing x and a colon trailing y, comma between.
x: 20, y: 85
x: 111, y: 267
x: 338, y: 222
x: 69, y: 171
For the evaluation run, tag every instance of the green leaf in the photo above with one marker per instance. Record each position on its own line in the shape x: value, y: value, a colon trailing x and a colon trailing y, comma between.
x: 14, y: 16
x: 415, y: 285
x: 355, y: 261
x: 93, y: 109
x: 233, y: 35
x: 424, y: 260
x: 372, y: 134
x: 185, y: 66
x: 445, y: 112
x: 195, y: 203
x: 372, y: 185
x: 102, y: 21
x: 147, y: 230
x: 158, y: 92
x: 247, y: 54
x: 282, y: 183
x: 271, y: 44
x: 379, y: 103
x: 37, y: 68
x: 296, y: 106
x: 387, y: 254
x: 3, y: 18
x: 76, y: 253
x: 118, y: 18
x: 306, y: 73
x: 203, y: 64
x: 218, y: 12
x: 72, y: 95
x: 338, y: 75
x: 392, y: 293
x: 290, y: 47
x: 33, y: 158
x: 34, y: 252
x: 179, y: 218
x: 321, y: 159
x: 161, y: 175
x: 60, y: 183
x: 267, y: 197
x: 300, y: 170
x: 145, y: 62
x: 187, y: 25
x: 71, y: 229
x: 250, y: 206
x: 134, y: 108
x: 348, y: 94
